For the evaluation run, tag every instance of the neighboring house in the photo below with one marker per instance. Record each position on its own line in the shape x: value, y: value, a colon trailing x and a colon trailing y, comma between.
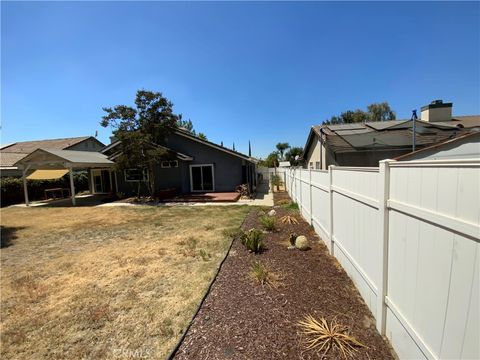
x: 365, y: 144
x: 199, y: 166
x: 10, y: 154
x: 463, y: 147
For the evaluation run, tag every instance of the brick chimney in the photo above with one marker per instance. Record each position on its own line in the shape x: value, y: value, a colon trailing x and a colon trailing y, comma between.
x: 437, y: 110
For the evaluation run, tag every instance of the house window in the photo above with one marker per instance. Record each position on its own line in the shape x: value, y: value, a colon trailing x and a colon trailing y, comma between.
x: 170, y: 164
x: 317, y: 165
x: 135, y: 175
x: 311, y: 165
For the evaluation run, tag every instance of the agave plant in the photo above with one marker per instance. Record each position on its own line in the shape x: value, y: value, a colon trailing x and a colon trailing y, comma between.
x: 325, y: 336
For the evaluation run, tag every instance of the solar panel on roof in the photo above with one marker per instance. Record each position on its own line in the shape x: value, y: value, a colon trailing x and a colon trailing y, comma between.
x: 382, y: 125
x: 346, y: 126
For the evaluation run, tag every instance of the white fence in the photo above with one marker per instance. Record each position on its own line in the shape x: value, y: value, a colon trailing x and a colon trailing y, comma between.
x: 407, y: 233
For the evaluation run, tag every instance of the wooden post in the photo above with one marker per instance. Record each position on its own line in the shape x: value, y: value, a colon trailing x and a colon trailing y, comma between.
x: 72, y: 187
x: 384, y: 193
x: 25, y: 189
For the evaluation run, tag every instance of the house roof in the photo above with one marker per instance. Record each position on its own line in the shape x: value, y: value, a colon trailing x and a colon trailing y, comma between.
x: 29, y: 146
x: 188, y: 135
x: 215, y: 146
x: 114, y: 155
x: 441, y: 145
x: 11, y: 153
x: 392, y: 134
x: 59, y: 159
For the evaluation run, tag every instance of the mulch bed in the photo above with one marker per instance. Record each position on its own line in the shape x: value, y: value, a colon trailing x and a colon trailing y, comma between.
x: 241, y: 319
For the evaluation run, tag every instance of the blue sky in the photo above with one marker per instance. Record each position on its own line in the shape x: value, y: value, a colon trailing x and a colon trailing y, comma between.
x: 263, y: 72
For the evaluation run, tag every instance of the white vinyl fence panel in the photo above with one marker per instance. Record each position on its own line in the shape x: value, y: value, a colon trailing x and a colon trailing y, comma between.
x: 408, y: 234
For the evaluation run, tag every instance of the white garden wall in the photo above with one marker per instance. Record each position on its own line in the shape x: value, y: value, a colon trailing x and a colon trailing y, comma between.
x: 407, y: 233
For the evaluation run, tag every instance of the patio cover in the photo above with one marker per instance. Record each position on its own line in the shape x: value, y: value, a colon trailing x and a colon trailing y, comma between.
x: 50, y: 159
x: 46, y: 174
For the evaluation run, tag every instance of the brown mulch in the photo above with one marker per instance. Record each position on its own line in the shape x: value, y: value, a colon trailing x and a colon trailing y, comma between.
x: 241, y: 319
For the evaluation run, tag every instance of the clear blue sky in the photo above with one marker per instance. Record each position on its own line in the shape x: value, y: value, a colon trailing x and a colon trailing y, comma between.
x: 263, y: 72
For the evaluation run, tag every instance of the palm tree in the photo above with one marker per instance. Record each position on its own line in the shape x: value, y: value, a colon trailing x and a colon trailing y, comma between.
x: 282, y: 147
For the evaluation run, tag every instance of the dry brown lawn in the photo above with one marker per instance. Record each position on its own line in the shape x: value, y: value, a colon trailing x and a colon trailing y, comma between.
x: 106, y: 282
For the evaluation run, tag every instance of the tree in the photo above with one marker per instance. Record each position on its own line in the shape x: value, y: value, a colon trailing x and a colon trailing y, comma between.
x: 270, y: 161
x: 292, y: 153
x: 281, y: 147
x: 381, y: 112
x: 140, y: 129
x: 202, y: 136
x: 186, y: 124
x: 375, y: 112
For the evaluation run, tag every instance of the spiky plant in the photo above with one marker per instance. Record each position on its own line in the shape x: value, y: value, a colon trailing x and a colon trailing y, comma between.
x: 268, y: 222
x: 324, y: 336
x: 253, y: 240
x: 289, y: 219
x: 262, y: 274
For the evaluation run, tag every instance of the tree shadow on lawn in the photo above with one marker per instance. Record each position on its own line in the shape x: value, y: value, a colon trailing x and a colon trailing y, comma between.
x: 8, y: 234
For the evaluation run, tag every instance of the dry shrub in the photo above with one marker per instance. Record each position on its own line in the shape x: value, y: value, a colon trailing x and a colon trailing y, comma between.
x: 288, y: 219
x: 324, y: 336
x: 262, y: 274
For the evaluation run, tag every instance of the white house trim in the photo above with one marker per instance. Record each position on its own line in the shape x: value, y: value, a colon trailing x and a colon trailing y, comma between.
x: 191, y: 177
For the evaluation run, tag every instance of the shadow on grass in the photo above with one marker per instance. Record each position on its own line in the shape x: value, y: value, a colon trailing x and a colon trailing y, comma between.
x: 8, y: 234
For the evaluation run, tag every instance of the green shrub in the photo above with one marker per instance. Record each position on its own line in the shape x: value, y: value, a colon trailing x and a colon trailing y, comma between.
x: 12, y: 188
x: 268, y: 222
x: 291, y: 206
x: 262, y: 274
x: 253, y: 240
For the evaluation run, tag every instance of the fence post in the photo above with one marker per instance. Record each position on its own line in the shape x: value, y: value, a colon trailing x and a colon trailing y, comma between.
x: 384, y: 193
x: 300, y: 194
x: 310, y: 195
x: 330, y: 195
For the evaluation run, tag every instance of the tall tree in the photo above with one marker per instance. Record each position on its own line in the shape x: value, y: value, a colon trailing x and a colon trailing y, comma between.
x: 249, y: 149
x: 281, y: 147
x: 375, y: 112
x: 292, y: 153
x: 186, y: 124
x: 139, y: 129
x: 270, y: 161
x: 380, y: 112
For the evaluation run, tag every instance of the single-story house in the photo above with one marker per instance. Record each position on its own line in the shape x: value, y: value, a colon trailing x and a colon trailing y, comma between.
x: 365, y: 144
x: 463, y: 147
x: 198, y: 166
x: 12, y: 153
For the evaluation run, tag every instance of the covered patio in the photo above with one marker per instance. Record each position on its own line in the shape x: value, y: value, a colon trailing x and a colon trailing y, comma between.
x: 50, y: 164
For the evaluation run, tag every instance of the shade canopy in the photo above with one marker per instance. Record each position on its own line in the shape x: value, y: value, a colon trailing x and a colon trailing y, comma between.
x: 52, y: 162
x: 47, y: 174
x: 49, y: 159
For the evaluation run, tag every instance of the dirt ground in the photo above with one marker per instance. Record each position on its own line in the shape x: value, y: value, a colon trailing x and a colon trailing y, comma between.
x: 96, y: 283
x: 242, y: 319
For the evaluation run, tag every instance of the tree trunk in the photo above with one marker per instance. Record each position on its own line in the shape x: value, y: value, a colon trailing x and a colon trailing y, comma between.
x: 151, y: 180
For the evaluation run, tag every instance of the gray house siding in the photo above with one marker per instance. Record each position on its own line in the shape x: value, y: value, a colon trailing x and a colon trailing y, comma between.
x: 228, y: 170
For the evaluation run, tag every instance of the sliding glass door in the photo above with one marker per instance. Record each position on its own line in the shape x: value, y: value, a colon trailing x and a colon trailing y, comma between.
x: 201, y: 178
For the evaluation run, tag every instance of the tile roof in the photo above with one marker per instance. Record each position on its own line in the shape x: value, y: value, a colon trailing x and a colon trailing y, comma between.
x: 8, y: 159
x: 27, y: 147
